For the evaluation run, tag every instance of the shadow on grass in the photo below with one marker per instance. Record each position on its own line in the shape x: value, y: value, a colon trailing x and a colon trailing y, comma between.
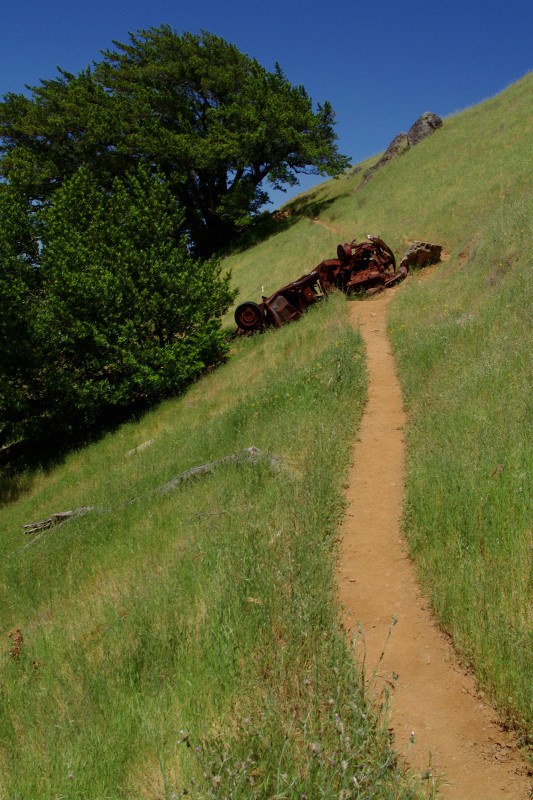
x: 263, y: 228
x: 15, y: 484
x: 29, y: 458
x: 267, y: 225
x: 312, y: 207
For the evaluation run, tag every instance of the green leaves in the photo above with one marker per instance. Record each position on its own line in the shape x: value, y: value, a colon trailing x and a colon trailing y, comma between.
x: 113, y: 179
x: 193, y: 108
x: 117, y: 314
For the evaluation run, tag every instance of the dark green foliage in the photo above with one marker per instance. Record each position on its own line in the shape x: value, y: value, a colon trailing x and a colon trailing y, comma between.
x: 105, y: 174
x: 209, y: 118
x: 19, y: 290
x: 113, y: 312
x: 68, y: 122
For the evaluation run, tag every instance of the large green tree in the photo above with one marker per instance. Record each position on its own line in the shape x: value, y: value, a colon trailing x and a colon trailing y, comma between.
x: 103, y: 309
x: 212, y: 120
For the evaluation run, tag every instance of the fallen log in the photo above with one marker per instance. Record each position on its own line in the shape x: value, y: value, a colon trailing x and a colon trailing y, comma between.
x: 57, y: 519
x: 250, y: 454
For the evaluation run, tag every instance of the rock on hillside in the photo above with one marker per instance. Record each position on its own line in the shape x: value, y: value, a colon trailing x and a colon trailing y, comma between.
x: 424, y: 125
x: 421, y: 254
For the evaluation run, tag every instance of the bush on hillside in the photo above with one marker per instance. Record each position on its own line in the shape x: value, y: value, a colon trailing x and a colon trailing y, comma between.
x: 106, y: 308
x: 19, y: 289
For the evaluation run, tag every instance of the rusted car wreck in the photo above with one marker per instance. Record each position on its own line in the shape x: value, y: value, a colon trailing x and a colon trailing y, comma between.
x: 367, y: 265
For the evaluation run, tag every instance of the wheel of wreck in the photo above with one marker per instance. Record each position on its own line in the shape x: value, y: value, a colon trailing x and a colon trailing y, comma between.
x: 249, y: 317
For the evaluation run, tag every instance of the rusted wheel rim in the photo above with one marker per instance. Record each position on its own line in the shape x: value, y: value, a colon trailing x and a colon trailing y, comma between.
x: 249, y: 316
x: 344, y: 252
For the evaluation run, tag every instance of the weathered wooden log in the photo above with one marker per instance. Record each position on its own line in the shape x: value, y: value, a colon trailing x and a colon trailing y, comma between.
x: 251, y: 454
x: 56, y: 519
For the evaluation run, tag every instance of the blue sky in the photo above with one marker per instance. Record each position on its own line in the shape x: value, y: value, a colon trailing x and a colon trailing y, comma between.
x: 381, y: 64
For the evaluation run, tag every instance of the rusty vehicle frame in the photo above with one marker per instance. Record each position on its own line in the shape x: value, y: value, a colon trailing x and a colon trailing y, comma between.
x: 358, y: 267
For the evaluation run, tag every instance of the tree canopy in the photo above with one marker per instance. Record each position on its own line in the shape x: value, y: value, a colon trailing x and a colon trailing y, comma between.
x: 103, y: 308
x: 117, y: 185
x: 215, y: 123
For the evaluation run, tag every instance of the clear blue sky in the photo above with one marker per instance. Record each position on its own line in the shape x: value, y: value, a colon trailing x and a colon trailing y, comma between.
x: 381, y: 64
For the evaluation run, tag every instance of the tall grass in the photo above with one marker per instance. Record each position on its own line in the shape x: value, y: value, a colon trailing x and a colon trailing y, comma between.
x: 188, y: 644
x: 442, y: 188
x: 463, y: 343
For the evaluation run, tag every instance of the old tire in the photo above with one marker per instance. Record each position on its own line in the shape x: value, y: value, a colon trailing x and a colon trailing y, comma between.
x: 249, y: 317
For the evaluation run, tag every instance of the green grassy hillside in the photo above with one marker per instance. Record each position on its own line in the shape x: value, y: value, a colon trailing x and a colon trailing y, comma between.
x: 438, y: 191
x: 463, y: 343
x: 442, y: 188
x: 207, y: 616
x: 188, y: 643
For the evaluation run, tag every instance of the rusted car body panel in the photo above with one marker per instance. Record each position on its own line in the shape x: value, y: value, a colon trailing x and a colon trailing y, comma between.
x: 362, y: 266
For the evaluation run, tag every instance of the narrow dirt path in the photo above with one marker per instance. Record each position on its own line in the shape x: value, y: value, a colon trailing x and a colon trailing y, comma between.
x: 432, y: 696
x: 327, y: 226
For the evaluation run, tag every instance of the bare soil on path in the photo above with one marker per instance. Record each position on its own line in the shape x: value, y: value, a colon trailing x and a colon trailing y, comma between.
x: 433, y: 696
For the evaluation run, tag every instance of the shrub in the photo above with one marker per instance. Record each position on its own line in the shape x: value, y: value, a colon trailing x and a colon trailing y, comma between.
x: 120, y: 312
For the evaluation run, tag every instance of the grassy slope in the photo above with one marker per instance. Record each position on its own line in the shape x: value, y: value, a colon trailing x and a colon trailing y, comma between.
x: 440, y: 189
x: 212, y: 609
x: 463, y: 343
x: 209, y: 610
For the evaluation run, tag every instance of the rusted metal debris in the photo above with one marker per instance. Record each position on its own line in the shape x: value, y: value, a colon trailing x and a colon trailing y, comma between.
x: 363, y: 266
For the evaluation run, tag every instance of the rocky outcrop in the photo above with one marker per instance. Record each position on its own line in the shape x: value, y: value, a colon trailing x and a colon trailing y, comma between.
x: 424, y: 125
x: 398, y: 146
x: 421, y: 254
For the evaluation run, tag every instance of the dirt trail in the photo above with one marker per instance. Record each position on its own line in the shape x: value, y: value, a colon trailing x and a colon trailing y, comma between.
x: 327, y: 226
x: 432, y: 696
